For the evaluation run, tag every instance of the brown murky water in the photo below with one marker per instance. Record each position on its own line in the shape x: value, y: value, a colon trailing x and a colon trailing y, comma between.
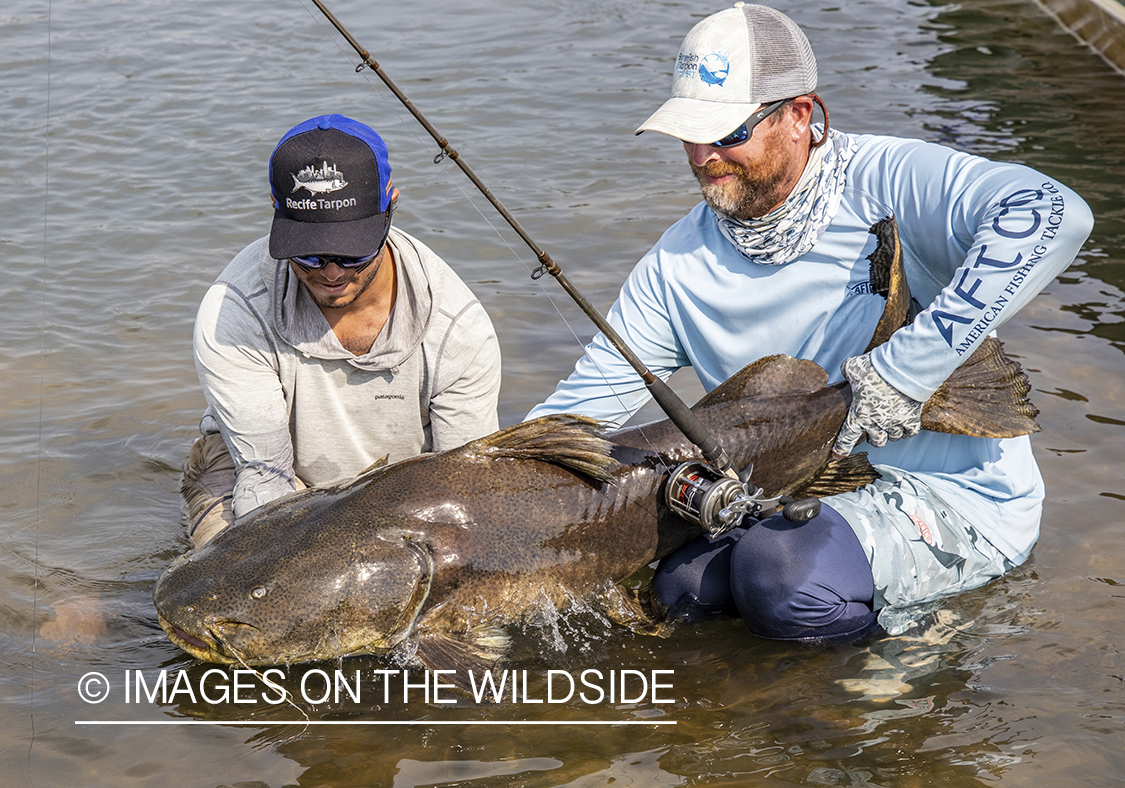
x: 133, y: 143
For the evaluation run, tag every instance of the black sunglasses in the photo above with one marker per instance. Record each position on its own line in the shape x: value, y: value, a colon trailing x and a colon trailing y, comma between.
x: 315, y: 262
x: 743, y: 132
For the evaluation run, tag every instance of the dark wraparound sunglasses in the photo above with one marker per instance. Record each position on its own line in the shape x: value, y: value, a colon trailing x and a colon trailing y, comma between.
x: 317, y: 261
x: 743, y: 132
x: 314, y: 262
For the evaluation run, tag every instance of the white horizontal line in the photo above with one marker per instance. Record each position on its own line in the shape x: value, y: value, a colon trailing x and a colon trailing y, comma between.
x: 263, y: 723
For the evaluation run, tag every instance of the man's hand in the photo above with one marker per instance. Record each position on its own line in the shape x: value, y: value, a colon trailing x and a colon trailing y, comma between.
x: 879, y: 410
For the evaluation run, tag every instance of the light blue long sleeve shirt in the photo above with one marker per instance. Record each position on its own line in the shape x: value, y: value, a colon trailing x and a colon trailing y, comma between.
x: 979, y: 239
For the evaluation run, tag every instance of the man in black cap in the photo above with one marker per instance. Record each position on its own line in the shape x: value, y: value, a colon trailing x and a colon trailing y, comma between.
x: 335, y: 340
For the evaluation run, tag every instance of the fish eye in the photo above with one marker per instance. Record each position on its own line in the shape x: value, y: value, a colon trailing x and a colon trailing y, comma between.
x: 259, y: 592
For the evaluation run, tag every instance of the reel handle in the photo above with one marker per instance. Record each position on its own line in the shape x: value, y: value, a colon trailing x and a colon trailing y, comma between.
x: 799, y: 511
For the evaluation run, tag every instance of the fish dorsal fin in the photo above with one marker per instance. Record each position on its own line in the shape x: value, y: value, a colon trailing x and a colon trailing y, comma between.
x: 568, y: 440
x: 772, y: 376
x: 886, y: 255
x: 379, y: 463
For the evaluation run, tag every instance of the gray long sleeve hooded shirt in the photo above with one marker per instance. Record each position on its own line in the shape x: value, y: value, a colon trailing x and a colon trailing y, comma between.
x: 290, y: 401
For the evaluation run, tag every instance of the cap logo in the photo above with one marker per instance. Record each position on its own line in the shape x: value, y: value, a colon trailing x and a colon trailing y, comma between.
x: 319, y: 181
x: 713, y: 69
x: 687, y: 64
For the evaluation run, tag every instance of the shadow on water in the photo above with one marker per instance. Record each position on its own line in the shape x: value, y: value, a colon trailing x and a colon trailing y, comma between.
x: 1021, y: 681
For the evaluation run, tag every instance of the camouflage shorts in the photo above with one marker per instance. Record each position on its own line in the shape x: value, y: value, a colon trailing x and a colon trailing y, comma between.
x: 919, y: 547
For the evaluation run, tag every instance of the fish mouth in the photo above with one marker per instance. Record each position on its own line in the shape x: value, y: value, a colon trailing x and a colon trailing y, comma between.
x: 213, y: 645
x: 209, y: 646
x: 196, y: 646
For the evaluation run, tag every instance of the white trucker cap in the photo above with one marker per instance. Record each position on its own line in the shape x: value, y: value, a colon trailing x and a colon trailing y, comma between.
x: 729, y: 65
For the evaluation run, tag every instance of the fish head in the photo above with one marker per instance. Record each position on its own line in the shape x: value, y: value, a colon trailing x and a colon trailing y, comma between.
x: 310, y: 595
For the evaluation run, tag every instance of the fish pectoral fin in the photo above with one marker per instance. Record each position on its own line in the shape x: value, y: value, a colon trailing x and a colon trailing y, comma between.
x: 448, y: 641
x: 633, y: 610
x: 842, y: 475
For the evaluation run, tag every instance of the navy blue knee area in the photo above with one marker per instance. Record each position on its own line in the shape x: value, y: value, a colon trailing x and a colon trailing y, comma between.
x: 806, y: 580
x: 694, y: 581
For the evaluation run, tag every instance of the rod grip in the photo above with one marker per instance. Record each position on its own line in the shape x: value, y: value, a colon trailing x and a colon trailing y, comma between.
x: 690, y: 425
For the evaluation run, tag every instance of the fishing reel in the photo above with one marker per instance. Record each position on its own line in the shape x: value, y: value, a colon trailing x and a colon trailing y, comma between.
x: 716, y: 502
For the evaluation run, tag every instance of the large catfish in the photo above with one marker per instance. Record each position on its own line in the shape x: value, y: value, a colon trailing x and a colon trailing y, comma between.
x: 433, y: 556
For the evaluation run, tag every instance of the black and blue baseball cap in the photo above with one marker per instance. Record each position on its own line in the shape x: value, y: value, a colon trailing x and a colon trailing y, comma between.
x: 331, y: 184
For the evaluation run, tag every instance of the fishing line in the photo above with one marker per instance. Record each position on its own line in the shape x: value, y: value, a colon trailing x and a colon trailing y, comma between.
x: 42, y: 385
x: 676, y: 410
x: 442, y: 160
x: 439, y: 160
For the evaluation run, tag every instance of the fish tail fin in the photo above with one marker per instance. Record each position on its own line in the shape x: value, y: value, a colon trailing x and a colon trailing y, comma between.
x: 888, y: 279
x: 985, y: 397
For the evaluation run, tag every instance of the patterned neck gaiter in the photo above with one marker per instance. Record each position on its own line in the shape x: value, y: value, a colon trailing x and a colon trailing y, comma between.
x: 794, y: 227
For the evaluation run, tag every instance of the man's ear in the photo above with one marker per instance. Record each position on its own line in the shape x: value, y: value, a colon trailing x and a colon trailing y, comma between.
x: 802, y: 114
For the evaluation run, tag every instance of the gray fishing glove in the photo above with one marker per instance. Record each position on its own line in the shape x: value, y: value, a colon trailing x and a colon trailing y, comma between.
x: 879, y: 410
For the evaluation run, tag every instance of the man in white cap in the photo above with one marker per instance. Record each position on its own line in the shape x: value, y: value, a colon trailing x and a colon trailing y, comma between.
x: 334, y: 341
x: 775, y: 260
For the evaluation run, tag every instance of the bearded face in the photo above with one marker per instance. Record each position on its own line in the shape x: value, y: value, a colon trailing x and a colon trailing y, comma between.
x: 746, y: 186
x: 333, y: 287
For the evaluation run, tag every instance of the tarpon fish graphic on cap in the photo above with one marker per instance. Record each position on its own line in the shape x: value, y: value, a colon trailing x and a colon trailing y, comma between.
x: 319, y: 181
x: 713, y: 69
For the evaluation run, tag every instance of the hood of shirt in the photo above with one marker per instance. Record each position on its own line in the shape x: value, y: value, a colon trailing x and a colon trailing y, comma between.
x: 302, y: 325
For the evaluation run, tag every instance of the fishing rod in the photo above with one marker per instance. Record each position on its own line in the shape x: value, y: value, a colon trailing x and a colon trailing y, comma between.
x: 713, y: 494
x: 675, y: 408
